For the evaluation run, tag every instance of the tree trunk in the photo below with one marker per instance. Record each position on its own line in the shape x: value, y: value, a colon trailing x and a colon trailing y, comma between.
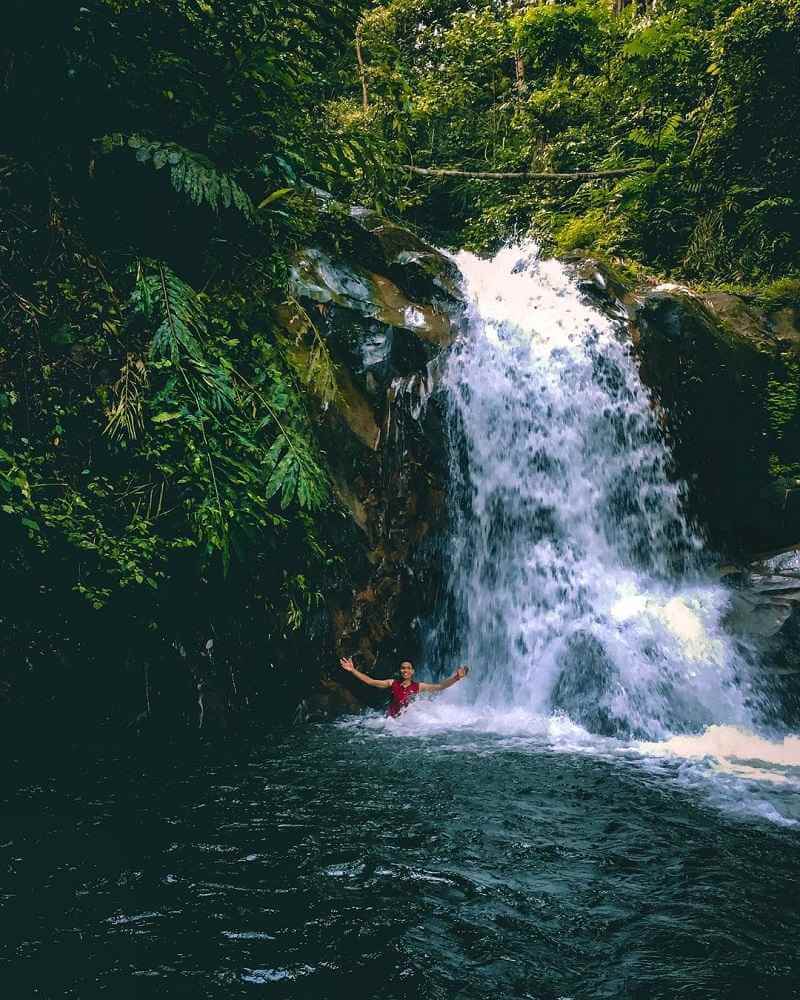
x: 519, y: 68
x: 362, y: 69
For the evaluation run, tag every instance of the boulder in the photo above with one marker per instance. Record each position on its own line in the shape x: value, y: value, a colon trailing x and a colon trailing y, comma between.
x: 404, y: 249
x: 317, y: 278
x: 723, y: 376
x: 752, y: 613
x: 767, y: 592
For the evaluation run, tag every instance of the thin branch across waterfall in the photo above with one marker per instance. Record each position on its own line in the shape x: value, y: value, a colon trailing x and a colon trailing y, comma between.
x: 522, y: 174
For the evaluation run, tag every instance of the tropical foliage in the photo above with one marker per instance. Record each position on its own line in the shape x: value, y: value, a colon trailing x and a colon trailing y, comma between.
x: 159, y: 475
x: 702, y: 97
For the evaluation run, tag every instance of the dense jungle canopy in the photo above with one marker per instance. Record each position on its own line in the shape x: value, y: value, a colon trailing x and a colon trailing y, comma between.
x: 700, y: 96
x: 160, y: 163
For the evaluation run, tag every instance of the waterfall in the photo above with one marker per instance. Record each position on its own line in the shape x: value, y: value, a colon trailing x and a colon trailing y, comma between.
x: 575, y: 585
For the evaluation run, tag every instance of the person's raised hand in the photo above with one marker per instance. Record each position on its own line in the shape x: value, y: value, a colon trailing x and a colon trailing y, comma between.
x: 462, y: 672
x: 346, y: 663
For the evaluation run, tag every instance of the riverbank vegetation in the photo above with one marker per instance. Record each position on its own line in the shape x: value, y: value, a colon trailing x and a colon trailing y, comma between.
x: 160, y: 480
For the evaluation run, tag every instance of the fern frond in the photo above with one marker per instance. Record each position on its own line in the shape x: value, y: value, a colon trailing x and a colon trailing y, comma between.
x: 126, y: 412
x: 310, y: 358
x: 216, y: 385
x: 191, y: 174
x: 291, y: 465
x: 179, y: 316
x: 710, y: 249
x: 294, y: 473
x: 256, y: 440
x: 165, y: 298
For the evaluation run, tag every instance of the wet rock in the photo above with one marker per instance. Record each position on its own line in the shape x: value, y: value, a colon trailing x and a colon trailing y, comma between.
x: 767, y: 593
x: 752, y: 614
x: 406, y: 250
x: 376, y: 349
x: 714, y: 363
x: 316, y: 277
x: 419, y: 269
x: 786, y: 328
x: 586, y: 677
x: 722, y: 371
x: 603, y: 286
x: 741, y: 320
x: 387, y: 331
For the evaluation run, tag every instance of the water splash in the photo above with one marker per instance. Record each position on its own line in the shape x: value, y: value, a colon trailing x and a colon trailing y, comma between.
x: 575, y: 584
x: 736, y: 751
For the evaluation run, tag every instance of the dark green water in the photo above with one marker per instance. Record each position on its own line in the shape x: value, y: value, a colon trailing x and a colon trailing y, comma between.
x: 338, y: 862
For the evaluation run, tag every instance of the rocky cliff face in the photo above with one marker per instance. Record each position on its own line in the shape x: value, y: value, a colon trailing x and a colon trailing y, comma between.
x: 724, y: 372
x: 388, y: 307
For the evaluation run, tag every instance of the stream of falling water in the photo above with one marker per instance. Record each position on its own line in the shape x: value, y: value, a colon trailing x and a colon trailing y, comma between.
x: 577, y: 591
x: 575, y: 578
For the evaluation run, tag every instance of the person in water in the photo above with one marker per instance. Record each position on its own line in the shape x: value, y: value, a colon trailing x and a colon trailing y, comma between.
x: 406, y: 689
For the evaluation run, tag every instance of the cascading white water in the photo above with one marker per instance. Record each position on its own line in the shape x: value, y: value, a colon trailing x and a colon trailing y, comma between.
x: 575, y: 584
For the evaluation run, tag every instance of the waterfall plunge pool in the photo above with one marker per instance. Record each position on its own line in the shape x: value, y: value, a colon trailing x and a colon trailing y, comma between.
x: 397, y: 860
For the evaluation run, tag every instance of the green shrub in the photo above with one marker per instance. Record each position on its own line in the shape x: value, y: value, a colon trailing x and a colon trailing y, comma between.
x: 782, y: 292
x: 585, y: 232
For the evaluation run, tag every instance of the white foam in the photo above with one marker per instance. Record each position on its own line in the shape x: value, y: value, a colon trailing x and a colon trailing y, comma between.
x: 737, y: 751
x: 735, y: 770
x: 263, y: 976
x: 572, y: 570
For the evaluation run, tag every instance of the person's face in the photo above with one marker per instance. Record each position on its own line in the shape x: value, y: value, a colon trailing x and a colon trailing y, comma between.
x: 406, y: 671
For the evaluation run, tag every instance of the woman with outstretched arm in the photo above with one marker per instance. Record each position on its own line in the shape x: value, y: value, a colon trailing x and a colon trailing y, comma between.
x: 403, y: 691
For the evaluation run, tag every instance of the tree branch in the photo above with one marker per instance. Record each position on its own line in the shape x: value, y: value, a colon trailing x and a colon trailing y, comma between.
x: 494, y: 175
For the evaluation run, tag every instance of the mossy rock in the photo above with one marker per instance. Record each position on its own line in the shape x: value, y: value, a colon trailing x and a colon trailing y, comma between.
x: 715, y: 364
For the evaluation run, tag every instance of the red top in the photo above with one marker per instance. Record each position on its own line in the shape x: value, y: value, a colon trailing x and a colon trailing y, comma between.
x: 401, y: 697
